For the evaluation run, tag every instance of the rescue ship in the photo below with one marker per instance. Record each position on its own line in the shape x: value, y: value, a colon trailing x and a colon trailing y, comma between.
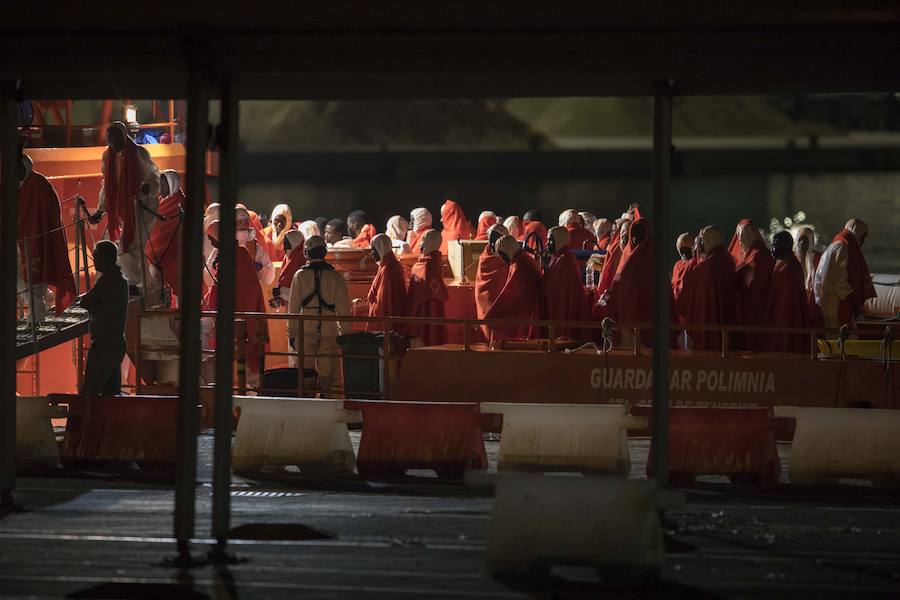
x: 850, y: 369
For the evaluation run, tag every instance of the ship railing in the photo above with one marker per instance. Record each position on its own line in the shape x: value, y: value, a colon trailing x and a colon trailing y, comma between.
x: 549, y: 341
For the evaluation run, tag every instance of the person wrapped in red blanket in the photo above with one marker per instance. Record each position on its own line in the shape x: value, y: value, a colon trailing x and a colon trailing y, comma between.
x: 563, y: 287
x: 520, y: 297
x: 387, y: 296
x: 753, y: 277
x: 163, y: 249
x: 491, y: 275
x: 42, y: 240
x: 787, y: 297
x: 708, y: 291
x: 427, y: 292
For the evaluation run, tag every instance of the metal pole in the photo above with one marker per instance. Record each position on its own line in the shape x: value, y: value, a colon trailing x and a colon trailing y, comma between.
x: 8, y: 222
x: 229, y: 159
x: 189, y: 363
x: 662, y: 241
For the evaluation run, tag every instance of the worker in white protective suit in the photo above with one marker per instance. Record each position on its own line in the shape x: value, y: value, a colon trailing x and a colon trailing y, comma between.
x: 318, y: 289
x: 129, y: 196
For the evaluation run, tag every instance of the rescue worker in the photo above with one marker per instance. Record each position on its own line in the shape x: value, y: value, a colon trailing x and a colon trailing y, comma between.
x: 427, y: 292
x: 684, y: 247
x: 562, y: 285
x: 579, y: 237
x: 129, y: 196
x: 397, y: 230
x: 318, y: 289
x: 387, y: 296
x: 420, y: 222
x: 107, y: 304
x: 163, y: 248
x: 246, y: 237
x: 280, y: 223
x: 515, y: 228
x: 753, y: 277
x: 520, y: 297
x: 485, y: 221
x: 248, y: 297
x: 491, y: 276
x: 787, y: 299
x: 456, y: 225
x: 335, y: 231
x: 603, y: 230
x: 361, y: 229
x: 708, y: 291
x: 843, y: 283
x: 43, y: 240
x: 292, y: 248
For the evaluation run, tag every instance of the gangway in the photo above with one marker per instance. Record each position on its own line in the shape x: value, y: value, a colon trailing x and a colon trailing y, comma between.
x: 52, y: 331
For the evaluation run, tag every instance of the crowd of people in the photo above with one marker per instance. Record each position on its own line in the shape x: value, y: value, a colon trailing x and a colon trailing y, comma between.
x: 583, y: 268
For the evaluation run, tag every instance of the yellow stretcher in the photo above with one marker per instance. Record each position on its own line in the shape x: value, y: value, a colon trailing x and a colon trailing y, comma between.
x: 861, y: 348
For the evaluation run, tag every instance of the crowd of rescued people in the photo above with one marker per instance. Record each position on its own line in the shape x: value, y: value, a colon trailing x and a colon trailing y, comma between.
x: 582, y: 269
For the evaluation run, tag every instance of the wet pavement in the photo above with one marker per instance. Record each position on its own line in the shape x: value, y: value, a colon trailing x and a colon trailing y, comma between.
x: 100, y: 536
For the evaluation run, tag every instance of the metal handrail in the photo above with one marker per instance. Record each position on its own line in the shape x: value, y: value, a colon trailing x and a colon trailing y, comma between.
x: 469, y: 325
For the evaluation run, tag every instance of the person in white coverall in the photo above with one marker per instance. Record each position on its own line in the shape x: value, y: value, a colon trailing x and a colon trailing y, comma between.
x: 318, y: 289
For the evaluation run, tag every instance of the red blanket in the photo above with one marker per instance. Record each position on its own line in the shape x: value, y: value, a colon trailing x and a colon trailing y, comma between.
x: 47, y: 251
x: 788, y: 306
x: 520, y: 298
x: 387, y: 296
x: 163, y: 247
x: 563, y: 292
x: 425, y: 298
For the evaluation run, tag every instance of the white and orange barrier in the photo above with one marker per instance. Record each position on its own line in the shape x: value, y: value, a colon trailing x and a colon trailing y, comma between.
x: 306, y: 432
x: 608, y: 523
x: 566, y: 437
x: 838, y: 443
x: 36, y: 446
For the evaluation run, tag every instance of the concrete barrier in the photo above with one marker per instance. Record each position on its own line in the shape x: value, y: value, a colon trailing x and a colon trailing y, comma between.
x: 36, y: 446
x: 306, y: 432
x: 567, y: 437
x: 116, y: 430
x: 608, y: 523
x: 444, y: 437
x: 835, y: 443
x: 735, y: 442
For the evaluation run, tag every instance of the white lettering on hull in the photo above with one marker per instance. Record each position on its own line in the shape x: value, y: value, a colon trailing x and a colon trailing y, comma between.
x: 685, y: 380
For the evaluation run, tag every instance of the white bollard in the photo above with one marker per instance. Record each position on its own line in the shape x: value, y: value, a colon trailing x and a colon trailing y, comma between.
x: 568, y: 437
x: 608, y: 523
x: 35, y: 442
x: 306, y: 432
x: 834, y: 443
